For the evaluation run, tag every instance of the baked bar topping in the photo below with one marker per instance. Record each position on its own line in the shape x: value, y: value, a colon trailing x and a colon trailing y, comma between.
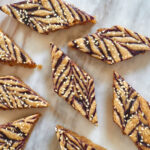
x: 11, y: 54
x: 112, y: 45
x: 73, y: 84
x: 14, y: 135
x: 131, y: 113
x: 46, y: 15
x: 72, y: 141
x: 14, y: 94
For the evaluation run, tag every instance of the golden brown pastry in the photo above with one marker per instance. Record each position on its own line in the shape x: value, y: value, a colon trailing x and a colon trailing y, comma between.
x: 131, y: 113
x: 15, y: 94
x: 11, y: 54
x: 73, y: 84
x: 72, y: 141
x: 14, y: 135
x: 46, y: 15
x: 112, y: 45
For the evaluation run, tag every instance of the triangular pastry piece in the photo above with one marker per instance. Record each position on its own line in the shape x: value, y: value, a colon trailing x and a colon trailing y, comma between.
x: 69, y: 140
x: 73, y: 84
x: 15, y: 94
x: 46, y: 15
x: 14, y: 135
x: 12, y: 54
x: 112, y: 45
x: 131, y: 113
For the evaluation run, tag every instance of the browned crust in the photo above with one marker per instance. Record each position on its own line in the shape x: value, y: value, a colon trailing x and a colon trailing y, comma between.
x: 82, y: 138
x: 76, y: 24
x: 101, y: 29
x: 39, y: 67
x: 13, y: 63
x: 70, y: 44
x: 68, y: 27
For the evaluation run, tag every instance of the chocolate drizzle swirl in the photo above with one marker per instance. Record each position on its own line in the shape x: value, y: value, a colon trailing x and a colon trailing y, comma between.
x: 46, y: 15
x: 112, y: 45
x: 15, y: 94
x: 14, y: 135
x: 11, y: 54
x: 131, y: 113
x: 73, y: 84
x: 72, y: 141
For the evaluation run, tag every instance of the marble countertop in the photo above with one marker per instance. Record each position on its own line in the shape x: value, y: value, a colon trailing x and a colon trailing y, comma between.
x: 133, y: 14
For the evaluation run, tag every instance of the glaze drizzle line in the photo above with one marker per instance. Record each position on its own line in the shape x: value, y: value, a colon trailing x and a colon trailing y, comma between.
x: 112, y: 45
x: 46, y: 15
x: 14, y: 135
x: 131, y: 113
x: 15, y: 94
x: 71, y: 141
x: 73, y: 84
x: 10, y: 53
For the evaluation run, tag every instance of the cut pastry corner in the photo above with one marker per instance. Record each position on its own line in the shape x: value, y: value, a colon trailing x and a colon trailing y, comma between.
x: 70, y: 140
x: 16, y: 133
x: 12, y: 54
x: 22, y: 96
